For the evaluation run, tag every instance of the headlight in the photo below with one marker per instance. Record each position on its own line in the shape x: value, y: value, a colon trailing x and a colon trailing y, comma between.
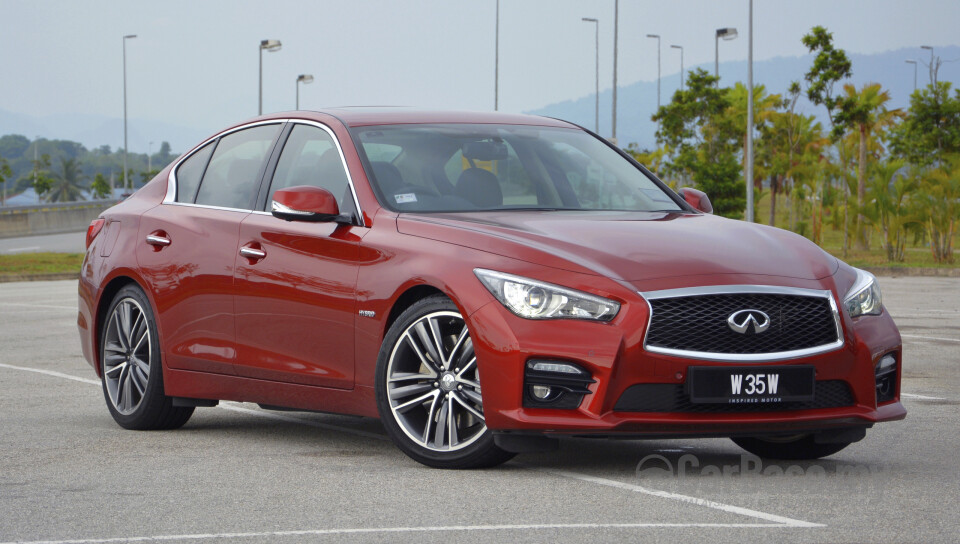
x: 864, y: 297
x: 533, y: 299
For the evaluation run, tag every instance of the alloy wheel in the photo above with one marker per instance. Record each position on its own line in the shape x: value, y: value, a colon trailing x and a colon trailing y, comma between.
x: 433, y: 386
x: 127, y: 355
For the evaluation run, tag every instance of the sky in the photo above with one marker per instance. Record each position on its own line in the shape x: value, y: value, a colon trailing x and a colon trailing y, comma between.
x: 195, y: 63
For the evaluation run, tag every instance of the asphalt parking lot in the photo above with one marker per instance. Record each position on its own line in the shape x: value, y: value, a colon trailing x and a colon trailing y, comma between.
x: 68, y: 473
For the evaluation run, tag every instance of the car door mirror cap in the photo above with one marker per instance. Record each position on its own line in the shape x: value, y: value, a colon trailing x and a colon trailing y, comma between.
x: 305, y: 203
x: 698, y: 199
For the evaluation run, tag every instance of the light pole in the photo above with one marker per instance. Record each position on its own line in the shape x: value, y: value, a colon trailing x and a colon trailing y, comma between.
x: 269, y: 45
x: 914, y: 63
x: 126, y: 181
x: 657, y: 36
x: 680, y: 47
x: 749, y: 173
x: 496, y: 63
x: 302, y: 78
x: 727, y: 34
x: 616, y: 19
x: 931, y: 60
x: 596, y: 37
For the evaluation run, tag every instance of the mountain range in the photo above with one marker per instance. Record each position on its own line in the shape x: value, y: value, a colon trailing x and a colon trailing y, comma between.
x: 636, y: 102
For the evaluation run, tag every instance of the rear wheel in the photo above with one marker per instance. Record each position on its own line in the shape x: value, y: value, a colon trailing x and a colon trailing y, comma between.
x: 428, y: 389
x: 792, y: 448
x: 130, y: 368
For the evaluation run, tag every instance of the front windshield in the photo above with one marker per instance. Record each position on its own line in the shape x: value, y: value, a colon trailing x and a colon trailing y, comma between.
x: 465, y: 168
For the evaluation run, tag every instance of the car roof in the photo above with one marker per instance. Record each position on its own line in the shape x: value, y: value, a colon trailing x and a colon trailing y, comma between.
x: 378, y: 115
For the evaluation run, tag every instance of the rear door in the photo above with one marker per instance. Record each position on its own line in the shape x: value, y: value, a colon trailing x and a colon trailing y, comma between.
x: 296, y: 290
x: 188, y: 247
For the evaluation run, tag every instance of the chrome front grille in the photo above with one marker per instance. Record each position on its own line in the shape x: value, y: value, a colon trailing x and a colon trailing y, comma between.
x: 694, y: 323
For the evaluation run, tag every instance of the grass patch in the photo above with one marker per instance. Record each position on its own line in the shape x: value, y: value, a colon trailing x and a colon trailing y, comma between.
x: 40, y: 263
x: 914, y: 256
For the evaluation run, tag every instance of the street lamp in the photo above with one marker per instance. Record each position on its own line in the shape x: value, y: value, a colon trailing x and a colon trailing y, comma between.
x: 680, y: 47
x: 496, y: 62
x: 596, y: 34
x: 727, y: 34
x: 269, y: 45
x: 302, y: 78
x: 616, y: 21
x: 657, y: 36
x: 748, y: 175
x: 931, y: 60
x: 126, y: 182
x: 914, y: 63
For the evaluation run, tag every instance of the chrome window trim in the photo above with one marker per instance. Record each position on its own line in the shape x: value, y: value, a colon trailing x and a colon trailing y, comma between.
x: 743, y: 289
x: 171, y: 195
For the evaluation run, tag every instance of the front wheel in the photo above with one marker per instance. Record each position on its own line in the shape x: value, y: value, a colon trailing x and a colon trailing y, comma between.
x: 130, y: 369
x: 428, y: 389
x: 789, y: 448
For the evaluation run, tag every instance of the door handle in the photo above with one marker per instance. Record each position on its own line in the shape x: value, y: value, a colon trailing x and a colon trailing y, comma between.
x: 252, y: 253
x: 157, y: 240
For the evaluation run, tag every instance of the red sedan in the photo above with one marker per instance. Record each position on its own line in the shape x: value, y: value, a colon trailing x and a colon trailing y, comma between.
x: 483, y: 283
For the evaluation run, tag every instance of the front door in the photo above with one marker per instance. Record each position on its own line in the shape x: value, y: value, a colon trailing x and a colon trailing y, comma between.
x: 296, y: 282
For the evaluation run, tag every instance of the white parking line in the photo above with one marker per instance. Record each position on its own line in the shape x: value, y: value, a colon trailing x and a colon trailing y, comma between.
x: 18, y: 249
x: 394, y: 530
x: 74, y: 308
x: 921, y: 397
x: 775, y: 520
x: 53, y: 373
x: 930, y: 338
x: 780, y: 520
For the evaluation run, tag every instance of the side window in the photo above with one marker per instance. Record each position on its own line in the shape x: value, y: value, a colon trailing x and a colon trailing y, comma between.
x: 231, y: 179
x: 189, y: 172
x: 310, y: 157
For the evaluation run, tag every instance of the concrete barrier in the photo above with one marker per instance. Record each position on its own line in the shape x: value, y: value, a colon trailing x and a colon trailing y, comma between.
x: 51, y: 218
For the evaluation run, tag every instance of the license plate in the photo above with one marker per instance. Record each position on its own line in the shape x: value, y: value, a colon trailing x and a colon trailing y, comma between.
x: 751, y: 385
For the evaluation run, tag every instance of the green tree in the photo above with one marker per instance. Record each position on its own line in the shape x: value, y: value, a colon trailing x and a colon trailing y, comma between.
x: 931, y: 127
x: 5, y: 174
x: 938, y: 206
x: 865, y: 111
x: 100, y: 188
x: 67, y: 183
x: 39, y: 176
x: 704, y: 141
x: 830, y: 66
x: 889, y: 207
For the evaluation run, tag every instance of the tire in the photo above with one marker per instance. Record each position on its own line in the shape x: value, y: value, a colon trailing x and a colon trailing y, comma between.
x: 792, y: 448
x: 432, y: 412
x: 131, y: 373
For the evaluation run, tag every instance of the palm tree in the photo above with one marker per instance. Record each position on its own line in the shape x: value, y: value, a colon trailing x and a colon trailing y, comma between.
x: 865, y: 110
x: 66, y: 183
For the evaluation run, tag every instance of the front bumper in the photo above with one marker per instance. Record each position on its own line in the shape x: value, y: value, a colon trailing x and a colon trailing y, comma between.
x: 613, y: 354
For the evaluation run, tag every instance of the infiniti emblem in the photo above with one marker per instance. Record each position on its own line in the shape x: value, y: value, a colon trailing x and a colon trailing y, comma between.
x: 740, y: 321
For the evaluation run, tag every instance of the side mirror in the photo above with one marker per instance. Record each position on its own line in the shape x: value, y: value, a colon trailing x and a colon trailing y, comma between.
x: 305, y: 203
x: 697, y: 199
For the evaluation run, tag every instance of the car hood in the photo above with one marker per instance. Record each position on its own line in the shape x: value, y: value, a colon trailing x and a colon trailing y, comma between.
x: 629, y: 246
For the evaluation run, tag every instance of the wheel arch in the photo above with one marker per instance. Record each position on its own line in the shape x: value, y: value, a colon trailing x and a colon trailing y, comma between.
x: 408, y: 298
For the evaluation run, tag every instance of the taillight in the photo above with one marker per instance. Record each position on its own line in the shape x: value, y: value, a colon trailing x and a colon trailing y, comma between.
x: 94, y: 229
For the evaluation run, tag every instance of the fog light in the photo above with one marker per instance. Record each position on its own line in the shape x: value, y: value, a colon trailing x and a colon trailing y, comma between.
x: 886, y: 378
x: 541, y: 392
x: 555, y: 384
